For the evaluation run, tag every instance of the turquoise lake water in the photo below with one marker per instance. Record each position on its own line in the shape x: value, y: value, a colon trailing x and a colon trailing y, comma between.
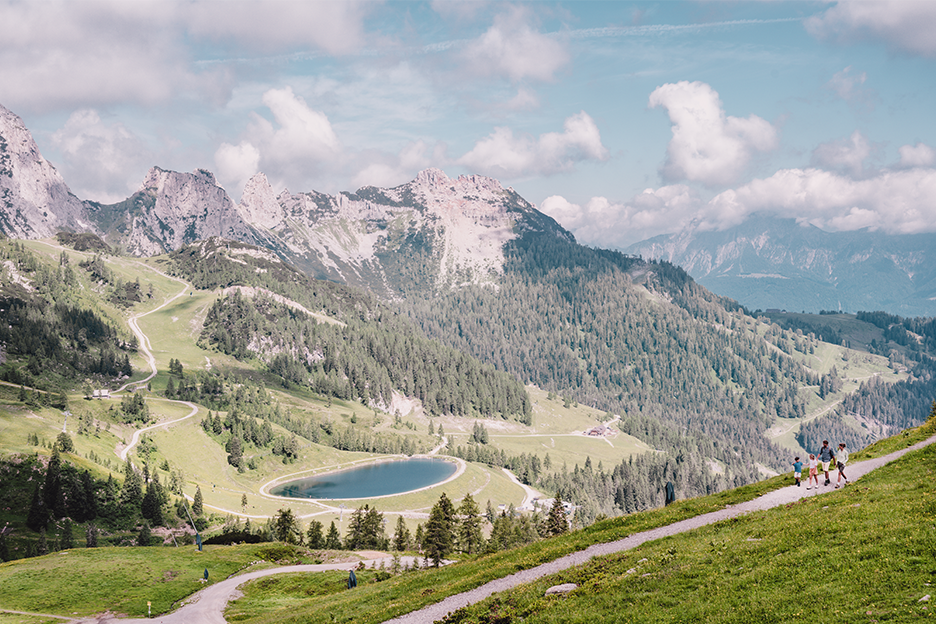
x: 376, y: 479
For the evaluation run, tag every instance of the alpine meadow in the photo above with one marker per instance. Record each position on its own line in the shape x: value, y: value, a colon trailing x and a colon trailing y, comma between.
x: 628, y: 318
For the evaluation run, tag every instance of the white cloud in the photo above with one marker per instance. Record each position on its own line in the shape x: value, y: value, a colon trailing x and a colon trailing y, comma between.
x: 236, y: 164
x: 847, y: 85
x: 503, y: 155
x: 605, y: 223
x: 303, y: 133
x: 524, y: 100
x: 708, y: 146
x: 845, y: 155
x: 335, y: 27
x: 513, y: 49
x: 892, y: 201
x: 68, y: 54
x: 298, y: 146
x: 388, y: 171
x: 59, y: 54
x: 903, y: 25
x: 100, y: 158
x: 919, y: 155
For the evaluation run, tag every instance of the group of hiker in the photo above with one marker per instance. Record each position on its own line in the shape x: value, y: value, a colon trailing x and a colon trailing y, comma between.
x: 827, y: 457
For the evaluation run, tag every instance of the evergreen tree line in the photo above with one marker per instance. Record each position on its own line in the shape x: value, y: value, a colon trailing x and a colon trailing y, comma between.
x: 571, y: 320
x: 51, y: 330
x: 247, y: 428
x: 57, y: 497
x: 361, y: 360
x: 447, y: 530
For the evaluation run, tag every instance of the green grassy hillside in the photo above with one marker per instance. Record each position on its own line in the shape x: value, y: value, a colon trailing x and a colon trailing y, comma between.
x: 869, y: 547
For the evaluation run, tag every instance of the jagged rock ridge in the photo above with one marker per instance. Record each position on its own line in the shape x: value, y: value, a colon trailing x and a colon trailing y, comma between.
x: 34, y: 200
x: 428, y: 234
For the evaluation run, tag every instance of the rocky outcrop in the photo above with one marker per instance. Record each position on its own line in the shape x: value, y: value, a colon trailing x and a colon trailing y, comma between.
x: 259, y: 205
x: 173, y: 209
x: 35, y: 202
x: 434, y: 232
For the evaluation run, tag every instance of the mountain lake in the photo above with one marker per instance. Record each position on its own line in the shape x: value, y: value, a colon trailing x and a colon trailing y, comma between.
x: 382, y: 478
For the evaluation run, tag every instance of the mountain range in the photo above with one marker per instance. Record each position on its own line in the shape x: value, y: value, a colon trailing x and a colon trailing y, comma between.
x: 480, y: 271
x: 773, y: 263
x: 435, y: 232
x: 425, y: 235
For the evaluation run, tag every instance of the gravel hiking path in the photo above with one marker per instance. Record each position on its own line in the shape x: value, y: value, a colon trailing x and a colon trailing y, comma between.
x: 207, y: 606
x: 783, y: 496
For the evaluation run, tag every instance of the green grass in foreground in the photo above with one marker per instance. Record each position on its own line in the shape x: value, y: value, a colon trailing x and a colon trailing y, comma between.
x: 376, y: 603
x: 93, y: 580
x: 864, y: 554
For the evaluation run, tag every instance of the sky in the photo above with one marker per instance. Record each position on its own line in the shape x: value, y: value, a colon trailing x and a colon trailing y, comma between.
x: 622, y: 120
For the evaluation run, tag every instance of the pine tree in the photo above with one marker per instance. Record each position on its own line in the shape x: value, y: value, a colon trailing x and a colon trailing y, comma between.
x: 401, y: 536
x: 131, y: 496
x: 151, y: 507
x: 439, y: 538
x: 316, y: 535
x: 556, y: 522
x: 286, y: 527
x: 333, y: 539
x: 235, y: 451
x: 197, y: 508
x: 470, y: 538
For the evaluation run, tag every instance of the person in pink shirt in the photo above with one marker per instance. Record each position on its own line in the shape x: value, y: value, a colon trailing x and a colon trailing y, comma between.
x: 813, y: 472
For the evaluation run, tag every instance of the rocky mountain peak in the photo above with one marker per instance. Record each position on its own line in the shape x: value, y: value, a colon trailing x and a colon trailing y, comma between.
x: 35, y: 202
x: 431, y: 177
x: 259, y: 205
x: 182, y: 208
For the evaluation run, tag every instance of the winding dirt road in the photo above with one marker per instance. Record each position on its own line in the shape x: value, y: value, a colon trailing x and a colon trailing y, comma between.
x: 146, y: 348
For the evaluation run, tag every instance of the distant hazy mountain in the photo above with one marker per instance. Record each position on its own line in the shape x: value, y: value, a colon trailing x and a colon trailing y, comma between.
x: 776, y: 263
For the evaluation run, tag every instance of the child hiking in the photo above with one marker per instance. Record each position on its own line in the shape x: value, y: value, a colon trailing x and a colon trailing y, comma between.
x: 813, y: 472
x: 797, y: 470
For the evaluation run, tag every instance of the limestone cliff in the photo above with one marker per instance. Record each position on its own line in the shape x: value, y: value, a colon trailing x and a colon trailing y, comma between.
x: 35, y: 202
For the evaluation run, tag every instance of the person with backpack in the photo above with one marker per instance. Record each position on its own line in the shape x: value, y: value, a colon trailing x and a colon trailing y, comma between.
x: 826, y: 455
x: 842, y: 459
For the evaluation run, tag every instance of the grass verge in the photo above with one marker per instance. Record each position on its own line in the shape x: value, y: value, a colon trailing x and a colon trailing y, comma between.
x: 403, y: 594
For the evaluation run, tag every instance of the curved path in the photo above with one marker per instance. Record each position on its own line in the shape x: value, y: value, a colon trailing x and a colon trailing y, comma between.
x: 783, y: 496
x: 136, y: 434
x: 146, y: 347
x: 207, y: 606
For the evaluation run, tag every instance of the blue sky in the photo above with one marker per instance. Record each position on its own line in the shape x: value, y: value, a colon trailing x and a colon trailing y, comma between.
x: 623, y: 120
